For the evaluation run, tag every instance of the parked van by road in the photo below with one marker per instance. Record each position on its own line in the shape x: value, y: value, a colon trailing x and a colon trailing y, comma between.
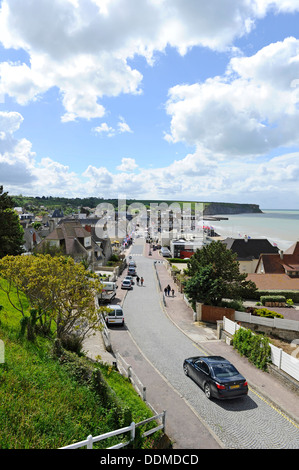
x: 108, y: 292
x: 114, y: 315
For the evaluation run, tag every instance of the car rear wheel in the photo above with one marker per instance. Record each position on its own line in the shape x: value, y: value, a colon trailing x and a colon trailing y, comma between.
x: 186, y: 369
x: 207, y: 390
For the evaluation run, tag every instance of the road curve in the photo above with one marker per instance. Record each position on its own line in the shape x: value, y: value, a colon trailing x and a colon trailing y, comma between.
x: 155, y: 349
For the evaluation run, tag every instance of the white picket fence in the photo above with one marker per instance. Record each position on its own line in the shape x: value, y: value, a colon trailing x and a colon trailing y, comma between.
x: 90, y: 440
x: 284, y: 361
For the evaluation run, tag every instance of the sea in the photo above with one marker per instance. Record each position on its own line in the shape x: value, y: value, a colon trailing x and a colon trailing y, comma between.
x: 280, y: 227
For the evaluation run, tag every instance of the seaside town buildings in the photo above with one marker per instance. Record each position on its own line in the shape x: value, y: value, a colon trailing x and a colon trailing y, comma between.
x: 278, y: 271
x: 77, y: 236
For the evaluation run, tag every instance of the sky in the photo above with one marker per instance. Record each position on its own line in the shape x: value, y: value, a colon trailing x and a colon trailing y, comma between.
x: 151, y: 99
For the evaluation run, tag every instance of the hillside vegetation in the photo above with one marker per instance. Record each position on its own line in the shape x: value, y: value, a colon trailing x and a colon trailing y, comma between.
x: 74, y: 204
x: 51, y: 398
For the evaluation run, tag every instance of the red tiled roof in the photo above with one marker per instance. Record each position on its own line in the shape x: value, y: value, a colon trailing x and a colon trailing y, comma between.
x: 274, y: 281
x: 294, y: 249
x: 280, y: 263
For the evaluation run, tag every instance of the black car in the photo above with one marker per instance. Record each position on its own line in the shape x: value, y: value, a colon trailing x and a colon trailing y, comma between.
x: 216, y: 375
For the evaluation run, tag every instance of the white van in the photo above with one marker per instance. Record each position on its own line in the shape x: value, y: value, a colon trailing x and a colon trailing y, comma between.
x: 114, y: 315
x: 108, y: 292
x: 109, y: 285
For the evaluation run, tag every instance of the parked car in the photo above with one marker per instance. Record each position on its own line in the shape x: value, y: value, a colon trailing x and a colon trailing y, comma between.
x: 126, y: 284
x: 130, y: 278
x: 132, y: 264
x: 216, y: 375
x: 165, y: 252
x: 114, y: 315
x: 132, y: 271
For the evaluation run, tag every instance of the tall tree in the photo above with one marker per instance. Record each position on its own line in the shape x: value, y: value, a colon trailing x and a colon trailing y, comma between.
x: 59, y: 290
x: 11, y: 231
x: 203, y: 287
x: 214, y: 272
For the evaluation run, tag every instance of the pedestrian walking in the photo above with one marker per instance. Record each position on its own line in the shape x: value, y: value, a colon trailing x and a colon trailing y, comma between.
x: 168, y: 289
x: 137, y: 279
x: 165, y: 291
x: 141, y: 281
x: 172, y: 291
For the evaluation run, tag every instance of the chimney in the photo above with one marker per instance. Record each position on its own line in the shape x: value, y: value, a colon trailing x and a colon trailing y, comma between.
x: 246, y: 238
x: 281, y: 254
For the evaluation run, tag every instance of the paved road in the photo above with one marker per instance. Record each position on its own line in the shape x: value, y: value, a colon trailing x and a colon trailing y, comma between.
x: 154, y: 347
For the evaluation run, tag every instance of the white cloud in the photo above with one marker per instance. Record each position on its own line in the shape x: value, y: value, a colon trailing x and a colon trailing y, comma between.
x: 16, y: 157
x: 123, y: 126
x: 19, y: 170
x: 127, y: 164
x: 9, y: 123
x: 104, y: 129
x: 197, y: 176
x: 82, y: 46
x: 99, y: 176
x: 249, y: 111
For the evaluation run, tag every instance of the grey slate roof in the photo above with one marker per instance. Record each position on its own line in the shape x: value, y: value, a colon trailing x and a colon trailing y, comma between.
x: 249, y: 249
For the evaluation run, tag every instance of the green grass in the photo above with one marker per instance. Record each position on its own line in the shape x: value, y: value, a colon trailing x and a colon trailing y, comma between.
x: 44, y: 405
x: 8, y: 315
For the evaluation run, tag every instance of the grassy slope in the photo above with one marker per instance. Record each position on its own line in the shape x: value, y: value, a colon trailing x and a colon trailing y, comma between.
x: 41, y: 404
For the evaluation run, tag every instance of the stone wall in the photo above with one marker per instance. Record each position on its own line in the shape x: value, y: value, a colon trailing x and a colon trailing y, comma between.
x: 286, y: 335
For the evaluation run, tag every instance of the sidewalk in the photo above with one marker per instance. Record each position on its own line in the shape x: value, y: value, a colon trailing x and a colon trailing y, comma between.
x: 262, y: 383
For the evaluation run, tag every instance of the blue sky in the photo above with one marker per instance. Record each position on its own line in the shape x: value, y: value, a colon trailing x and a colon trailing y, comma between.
x: 160, y: 99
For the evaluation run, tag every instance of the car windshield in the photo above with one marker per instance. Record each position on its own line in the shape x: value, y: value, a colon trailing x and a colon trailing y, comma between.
x: 224, y: 370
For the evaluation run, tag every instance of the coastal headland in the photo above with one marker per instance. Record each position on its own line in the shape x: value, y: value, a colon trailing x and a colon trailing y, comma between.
x: 213, y: 208
x: 68, y: 205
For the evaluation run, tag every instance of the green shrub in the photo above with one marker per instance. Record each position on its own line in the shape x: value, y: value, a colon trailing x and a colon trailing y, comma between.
x: 260, y: 352
x: 114, y: 258
x: 264, y: 312
x: 235, y: 304
x: 177, y: 260
x: 241, y: 341
x: 272, y: 298
x: 288, y: 294
x: 175, y: 269
x: 255, y: 347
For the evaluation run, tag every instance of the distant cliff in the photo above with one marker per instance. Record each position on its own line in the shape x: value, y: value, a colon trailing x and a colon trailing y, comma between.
x: 217, y: 208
